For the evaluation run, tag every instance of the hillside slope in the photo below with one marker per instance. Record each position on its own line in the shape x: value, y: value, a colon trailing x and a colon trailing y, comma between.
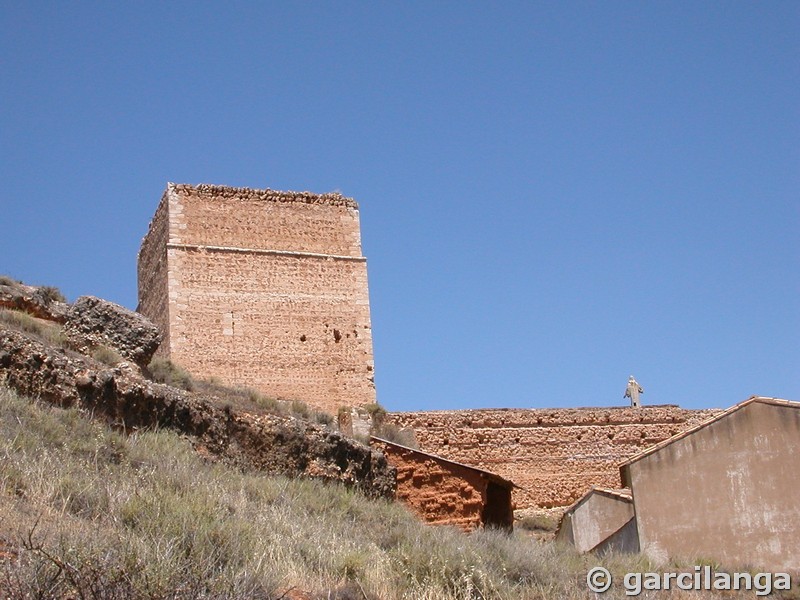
x: 87, y: 512
x: 56, y: 354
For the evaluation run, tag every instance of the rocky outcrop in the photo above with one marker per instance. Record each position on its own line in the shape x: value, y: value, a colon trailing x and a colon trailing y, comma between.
x: 43, y: 302
x: 92, y: 322
x: 271, y: 443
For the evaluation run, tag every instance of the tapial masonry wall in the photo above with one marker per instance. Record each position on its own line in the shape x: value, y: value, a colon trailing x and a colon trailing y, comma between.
x: 262, y: 289
x: 554, y: 455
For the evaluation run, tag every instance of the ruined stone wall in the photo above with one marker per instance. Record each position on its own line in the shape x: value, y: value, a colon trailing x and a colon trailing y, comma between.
x: 555, y: 455
x: 265, y: 220
x: 268, y: 290
x: 152, y: 273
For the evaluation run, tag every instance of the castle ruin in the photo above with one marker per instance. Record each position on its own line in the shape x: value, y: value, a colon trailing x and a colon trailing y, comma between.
x: 262, y: 289
x: 268, y: 290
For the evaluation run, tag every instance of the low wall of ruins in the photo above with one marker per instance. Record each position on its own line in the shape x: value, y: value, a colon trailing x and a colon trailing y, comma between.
x: 554, y: 455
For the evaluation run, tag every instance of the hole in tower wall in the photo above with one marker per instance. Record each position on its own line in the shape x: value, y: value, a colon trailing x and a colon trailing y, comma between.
x: 303, y: 338
x: 337, y: 335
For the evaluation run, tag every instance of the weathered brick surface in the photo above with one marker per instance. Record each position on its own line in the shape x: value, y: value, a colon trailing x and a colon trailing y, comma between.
x: 555, y: 455
x: 439, y: 491
x: 262, y: 289
x: 152, y: 274
x: 265, y: 220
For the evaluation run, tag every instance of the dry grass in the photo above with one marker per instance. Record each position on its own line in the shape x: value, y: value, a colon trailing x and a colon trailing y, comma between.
x: 107, y: 355
x: 48, y: 332
x: 94, y: 514
x: 539, y: 522
x: 163, y: 370
x: 52, y: 293
x: 251, y: 401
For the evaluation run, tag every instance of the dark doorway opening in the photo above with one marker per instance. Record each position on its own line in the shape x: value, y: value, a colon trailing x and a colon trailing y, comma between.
x: 497, y: 511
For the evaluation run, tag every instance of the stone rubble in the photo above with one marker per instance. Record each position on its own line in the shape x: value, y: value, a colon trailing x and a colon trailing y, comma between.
x: 93, y: 322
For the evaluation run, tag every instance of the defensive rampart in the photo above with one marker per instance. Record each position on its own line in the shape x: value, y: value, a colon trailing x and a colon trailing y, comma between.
x: 554, y: 455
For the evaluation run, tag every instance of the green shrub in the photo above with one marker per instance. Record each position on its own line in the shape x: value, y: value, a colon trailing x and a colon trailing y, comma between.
x: 107, y: 355
x: 376, y: 411
x: 539, y: 522
x: 300, y: 409
x: 163, y: 370
x: 392, y: 433
x: 265, y: 402
x: 322, y: 418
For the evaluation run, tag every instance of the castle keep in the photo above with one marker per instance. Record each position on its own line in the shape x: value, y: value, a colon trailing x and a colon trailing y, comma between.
x: 262, y: 289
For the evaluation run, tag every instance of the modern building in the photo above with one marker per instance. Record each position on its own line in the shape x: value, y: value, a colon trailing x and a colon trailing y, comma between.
x: 727, y: 490
x: 601, y: 520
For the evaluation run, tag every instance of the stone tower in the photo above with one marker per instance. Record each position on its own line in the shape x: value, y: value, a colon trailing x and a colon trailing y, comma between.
x: 262, y: 289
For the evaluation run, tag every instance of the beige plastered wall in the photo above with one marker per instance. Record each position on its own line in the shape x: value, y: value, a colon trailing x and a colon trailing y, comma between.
x: 595, y: 518
x: 729, y: 492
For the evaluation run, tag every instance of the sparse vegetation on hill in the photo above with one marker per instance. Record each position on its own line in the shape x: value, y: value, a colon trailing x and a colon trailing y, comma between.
x: 89, y: 512
x: 163, y: 370
x: 388, y: 431
x: 46, y: 331
x: 86, y: 512
x: 52, y: 293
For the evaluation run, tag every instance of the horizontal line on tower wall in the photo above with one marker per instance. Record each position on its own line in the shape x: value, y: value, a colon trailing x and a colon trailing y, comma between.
x: 171, y: 245
x: 478, y: 429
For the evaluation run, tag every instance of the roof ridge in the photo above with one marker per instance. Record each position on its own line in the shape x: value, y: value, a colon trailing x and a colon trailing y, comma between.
x: 687, y: 432
x: 440, y: 457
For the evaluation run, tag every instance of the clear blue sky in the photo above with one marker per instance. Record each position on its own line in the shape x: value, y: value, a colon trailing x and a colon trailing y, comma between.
x: 553, y: 195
